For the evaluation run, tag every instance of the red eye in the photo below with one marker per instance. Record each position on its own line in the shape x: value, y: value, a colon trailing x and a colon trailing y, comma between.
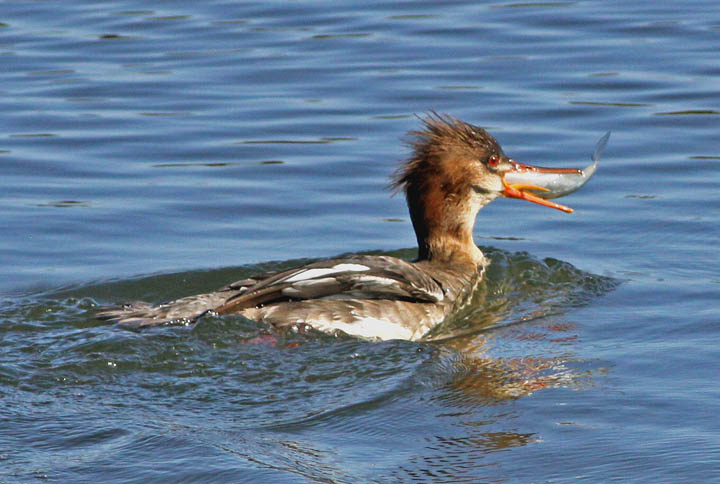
x: 493, y: 160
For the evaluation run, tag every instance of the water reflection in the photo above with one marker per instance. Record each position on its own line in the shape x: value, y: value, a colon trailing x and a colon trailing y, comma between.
x: 515, y: 338
x: 515, y: 362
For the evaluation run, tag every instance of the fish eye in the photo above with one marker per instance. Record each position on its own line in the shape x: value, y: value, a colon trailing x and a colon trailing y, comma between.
x: 493, y: 161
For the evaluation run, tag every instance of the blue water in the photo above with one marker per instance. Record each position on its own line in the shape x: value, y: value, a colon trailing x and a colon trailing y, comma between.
x: 151, y: 150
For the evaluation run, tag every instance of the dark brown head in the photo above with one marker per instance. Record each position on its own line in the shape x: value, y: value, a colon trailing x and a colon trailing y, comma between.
x: 451, y: 153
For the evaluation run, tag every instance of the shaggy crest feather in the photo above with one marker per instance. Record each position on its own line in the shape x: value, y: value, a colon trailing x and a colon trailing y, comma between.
x: 442, y: 134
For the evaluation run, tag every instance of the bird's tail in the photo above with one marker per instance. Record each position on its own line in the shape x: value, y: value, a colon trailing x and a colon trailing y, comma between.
x: 181, y: 311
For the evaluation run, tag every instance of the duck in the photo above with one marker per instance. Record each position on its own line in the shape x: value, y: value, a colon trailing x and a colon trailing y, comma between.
x: 454, y: 170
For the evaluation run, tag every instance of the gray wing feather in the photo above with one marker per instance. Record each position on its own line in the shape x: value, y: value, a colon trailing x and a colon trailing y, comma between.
x: 382, y: 278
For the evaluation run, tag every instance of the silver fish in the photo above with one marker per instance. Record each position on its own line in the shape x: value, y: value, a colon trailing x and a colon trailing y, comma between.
x: 557, y: 184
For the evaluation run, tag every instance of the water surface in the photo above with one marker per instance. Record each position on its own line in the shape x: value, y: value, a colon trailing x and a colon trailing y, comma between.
x: 150, y: 151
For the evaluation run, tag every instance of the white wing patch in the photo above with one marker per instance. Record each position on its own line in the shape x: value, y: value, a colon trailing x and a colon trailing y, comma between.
x: 304, y: 288
x: 313, y: 273
x: 383, y: 281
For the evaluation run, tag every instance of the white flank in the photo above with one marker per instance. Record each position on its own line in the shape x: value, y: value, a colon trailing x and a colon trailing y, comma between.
x: 312, y: 273
x: 371, y: 328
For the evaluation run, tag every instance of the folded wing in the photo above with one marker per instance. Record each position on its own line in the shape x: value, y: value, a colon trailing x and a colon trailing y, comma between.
x: 357, y: 277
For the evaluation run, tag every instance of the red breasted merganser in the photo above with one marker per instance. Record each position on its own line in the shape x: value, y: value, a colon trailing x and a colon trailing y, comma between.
x: 455, y: 170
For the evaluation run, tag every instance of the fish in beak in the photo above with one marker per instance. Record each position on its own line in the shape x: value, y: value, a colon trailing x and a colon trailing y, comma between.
x: 538, y: 185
